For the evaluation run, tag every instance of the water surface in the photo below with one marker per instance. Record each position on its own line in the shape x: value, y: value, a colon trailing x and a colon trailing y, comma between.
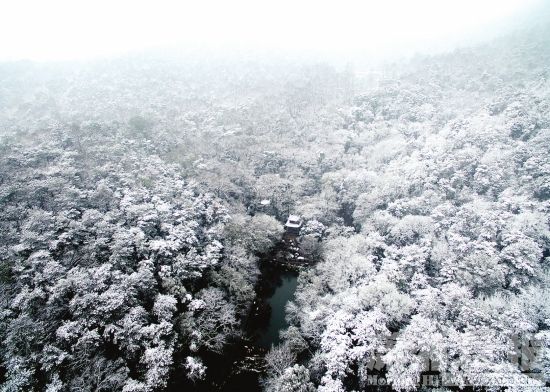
x: 284, y: 292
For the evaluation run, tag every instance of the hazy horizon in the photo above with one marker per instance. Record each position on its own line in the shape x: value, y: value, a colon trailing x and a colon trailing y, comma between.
x: 378, y: 31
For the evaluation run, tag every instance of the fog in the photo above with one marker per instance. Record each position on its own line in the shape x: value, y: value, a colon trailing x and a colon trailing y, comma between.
x: 274, y: 196
x: 69, y: 30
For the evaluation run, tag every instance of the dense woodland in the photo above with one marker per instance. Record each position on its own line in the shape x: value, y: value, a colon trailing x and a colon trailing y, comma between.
x: 130, y: 225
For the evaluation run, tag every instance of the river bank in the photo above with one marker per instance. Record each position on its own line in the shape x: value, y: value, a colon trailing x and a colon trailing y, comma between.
x: 242, y: 365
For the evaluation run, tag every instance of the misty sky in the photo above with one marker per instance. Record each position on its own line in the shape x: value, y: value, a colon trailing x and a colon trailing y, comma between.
x: 73, y: 29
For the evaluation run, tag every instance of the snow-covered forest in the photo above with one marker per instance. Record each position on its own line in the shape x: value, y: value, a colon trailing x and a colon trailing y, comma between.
x: 132, y: 235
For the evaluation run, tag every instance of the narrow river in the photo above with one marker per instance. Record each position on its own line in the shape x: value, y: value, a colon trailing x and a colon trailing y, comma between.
x: 241, y: 366
x: 274, y: 290
x: 277, y: 302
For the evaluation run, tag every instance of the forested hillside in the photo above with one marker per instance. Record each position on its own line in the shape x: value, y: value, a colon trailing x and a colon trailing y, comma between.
x: 130, y: 224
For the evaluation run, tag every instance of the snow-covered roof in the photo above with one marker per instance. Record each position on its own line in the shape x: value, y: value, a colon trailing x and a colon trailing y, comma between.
x: 265, y: 202
x: 293, y: 221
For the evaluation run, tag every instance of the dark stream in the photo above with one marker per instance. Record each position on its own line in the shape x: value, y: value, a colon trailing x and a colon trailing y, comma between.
x: 285, y: 292
x: 275, y: 288
x: 241, y: 366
